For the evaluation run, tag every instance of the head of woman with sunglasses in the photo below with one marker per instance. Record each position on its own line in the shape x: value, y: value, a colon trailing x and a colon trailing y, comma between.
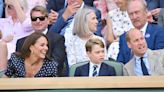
x: 39, y: 18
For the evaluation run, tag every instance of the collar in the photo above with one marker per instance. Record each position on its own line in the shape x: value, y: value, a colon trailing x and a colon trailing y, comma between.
x: 137, y: 58
x: 82, y: 6
x: 11, y: 20
x: 92, y: 64
x: 45, y: 31
x: 143, y: 29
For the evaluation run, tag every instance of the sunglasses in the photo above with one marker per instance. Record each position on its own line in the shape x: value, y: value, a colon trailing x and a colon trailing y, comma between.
x: 41, y: 18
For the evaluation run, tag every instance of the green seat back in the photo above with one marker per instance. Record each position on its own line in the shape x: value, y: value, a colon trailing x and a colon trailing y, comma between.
x: 118, y: 66
x: 73, y: 68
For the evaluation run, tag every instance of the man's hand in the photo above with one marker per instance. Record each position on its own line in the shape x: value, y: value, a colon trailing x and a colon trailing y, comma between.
x: 70, y: 10
x: 52, y: 17
x: 155, y: 12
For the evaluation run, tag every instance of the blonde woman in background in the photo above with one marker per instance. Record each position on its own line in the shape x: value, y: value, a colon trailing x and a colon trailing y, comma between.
x: 15, y: 25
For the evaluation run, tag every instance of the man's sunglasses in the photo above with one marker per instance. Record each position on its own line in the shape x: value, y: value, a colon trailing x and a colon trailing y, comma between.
x: 41, y: 18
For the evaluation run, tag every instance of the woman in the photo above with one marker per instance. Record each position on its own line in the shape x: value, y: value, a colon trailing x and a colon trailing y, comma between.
x: 3, y: 55
x: 118, y: 22
x: 33, y: 59
x: 15, y: 25
x: 85, y: 24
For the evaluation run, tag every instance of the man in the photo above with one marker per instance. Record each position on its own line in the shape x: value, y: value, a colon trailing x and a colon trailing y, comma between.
x: 57, y: 5
x: 39, y: 19
x: 153, y: 34
x: 95, y: 67
x: 144, y: 61
x: 65, y: 22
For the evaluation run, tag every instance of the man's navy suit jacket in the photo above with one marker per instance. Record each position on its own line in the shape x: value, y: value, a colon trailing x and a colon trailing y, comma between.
x: 61, y: 23
x: 105, y: 70
x: 154, y: 37
x: 56, y: 48
x: 57, y: 5
x: 153, y: 4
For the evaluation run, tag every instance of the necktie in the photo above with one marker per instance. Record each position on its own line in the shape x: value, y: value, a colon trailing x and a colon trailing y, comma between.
x: 144, y: 69
x: 94, y: 71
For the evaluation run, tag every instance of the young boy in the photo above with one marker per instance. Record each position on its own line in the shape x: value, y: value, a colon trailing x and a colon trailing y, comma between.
x: 95, y: 67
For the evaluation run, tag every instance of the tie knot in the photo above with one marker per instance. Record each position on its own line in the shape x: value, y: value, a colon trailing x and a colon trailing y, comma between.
x: 141, y: 58
x: 95, y: 66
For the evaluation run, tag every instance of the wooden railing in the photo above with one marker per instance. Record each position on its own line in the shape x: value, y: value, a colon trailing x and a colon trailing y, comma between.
x: 82, y: 82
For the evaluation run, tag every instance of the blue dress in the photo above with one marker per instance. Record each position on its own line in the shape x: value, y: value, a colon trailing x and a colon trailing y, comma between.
x: 16, y: 68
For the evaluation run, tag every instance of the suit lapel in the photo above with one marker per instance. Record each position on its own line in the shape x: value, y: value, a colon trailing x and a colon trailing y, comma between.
x: 147, y: 34
x: 131, y: 67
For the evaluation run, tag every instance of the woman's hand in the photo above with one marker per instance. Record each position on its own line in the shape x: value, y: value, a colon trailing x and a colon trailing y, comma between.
x: 8, y: 38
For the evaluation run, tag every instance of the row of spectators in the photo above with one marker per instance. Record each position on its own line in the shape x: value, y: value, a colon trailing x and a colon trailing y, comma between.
x: 68, y: 25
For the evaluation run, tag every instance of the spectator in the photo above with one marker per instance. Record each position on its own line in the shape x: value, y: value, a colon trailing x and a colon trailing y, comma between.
x: 39, y: 20
x: 85, y: 24
x: 57, y: 5
x: 118, y: 22
x: 15, y: 25
x: 95, y: 51
x: 64, y: 23
x: 144, y: 61
x: 153, y: 33
x: 32, y: 60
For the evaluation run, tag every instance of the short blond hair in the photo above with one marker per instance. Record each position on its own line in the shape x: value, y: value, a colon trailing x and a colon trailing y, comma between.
x: 94, y: 41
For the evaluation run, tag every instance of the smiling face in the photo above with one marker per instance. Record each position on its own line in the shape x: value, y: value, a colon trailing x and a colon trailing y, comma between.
x: 137, y: 42
x: 40, y: 48
x: 39, y: 24
x: 92, y: 21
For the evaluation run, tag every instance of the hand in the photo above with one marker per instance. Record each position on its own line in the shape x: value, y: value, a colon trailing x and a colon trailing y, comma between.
x: 70, y: 10
x: 150, y: 17
x: 156, y: 11
x: 8, y: 38
x: 52, y: 17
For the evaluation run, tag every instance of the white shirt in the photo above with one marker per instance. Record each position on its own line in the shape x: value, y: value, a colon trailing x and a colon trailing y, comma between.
x: 138, y: 69
x: 143, y: 30
x: 91, y: 68
x: 45, y: 31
